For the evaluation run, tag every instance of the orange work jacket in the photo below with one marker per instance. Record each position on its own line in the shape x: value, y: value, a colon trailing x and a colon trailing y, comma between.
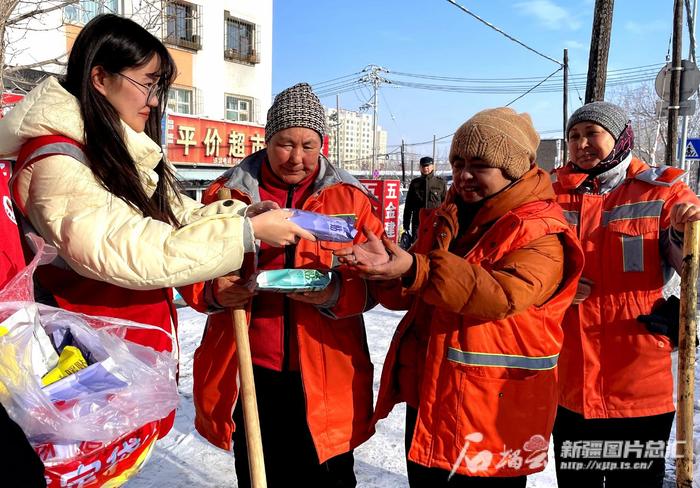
x: 611, y: 366
x: 488, y: 395
x: 336, y: 370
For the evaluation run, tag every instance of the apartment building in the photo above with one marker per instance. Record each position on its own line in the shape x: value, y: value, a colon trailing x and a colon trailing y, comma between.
x: 223, y: 50
x: 350, y: 139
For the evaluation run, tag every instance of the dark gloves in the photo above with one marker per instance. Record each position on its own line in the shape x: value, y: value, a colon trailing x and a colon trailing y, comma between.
x: 405, y: 240
x: 664, y: 319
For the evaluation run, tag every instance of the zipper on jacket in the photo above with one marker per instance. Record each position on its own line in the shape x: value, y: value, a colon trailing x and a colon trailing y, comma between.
x: 289, y: 251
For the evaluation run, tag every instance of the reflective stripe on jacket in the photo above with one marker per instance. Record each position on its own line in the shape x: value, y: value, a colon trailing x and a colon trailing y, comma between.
x: 336, y: 370
x: 611, y: 366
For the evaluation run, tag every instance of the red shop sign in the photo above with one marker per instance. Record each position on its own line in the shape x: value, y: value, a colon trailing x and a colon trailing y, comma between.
x: 195, y: 140
x: 387, y: 204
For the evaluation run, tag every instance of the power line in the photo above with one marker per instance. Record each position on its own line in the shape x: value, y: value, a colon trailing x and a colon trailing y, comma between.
x: 553, y: 84
x: 619, y: 72
x: 538, y: 84
x: 503, y: 33
x: 336, y: 79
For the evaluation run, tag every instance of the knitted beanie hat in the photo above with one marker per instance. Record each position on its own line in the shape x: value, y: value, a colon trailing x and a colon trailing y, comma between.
x: 297, y: 106
x: 502, y: 137
x: 607, y: 115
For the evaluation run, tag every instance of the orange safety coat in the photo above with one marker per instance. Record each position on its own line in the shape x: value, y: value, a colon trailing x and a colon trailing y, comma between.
x: 336, y: 370
x: 488, y: 395
x: 611, y: 366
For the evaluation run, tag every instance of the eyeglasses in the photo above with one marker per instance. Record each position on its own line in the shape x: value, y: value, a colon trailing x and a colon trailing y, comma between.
x: 152, y: 90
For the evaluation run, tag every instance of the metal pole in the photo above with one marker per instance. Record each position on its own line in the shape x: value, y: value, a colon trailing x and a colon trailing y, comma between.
x: 403, y: 165
x: 676, y: 68
x: 375, y: 82
x: 565, y: 106
x: 685, y: 165
x: 434, y: 150
x: 337, y: 130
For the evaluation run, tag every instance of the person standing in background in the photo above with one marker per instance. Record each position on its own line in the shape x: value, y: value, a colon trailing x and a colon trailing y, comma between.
x: 426, y: 191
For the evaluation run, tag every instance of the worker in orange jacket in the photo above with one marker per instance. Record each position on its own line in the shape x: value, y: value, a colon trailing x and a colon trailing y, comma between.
x: 486, y: 286
x: 313, y: 374
x: 616, y: 385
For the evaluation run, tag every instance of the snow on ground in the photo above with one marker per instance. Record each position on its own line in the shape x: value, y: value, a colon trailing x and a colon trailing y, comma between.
x: 183, y: 459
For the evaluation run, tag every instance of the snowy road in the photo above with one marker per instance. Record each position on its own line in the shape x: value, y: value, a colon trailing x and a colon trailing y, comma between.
x: 184, y: 459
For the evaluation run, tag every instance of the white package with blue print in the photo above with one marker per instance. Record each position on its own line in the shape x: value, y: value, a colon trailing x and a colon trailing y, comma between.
x: 325, y: 227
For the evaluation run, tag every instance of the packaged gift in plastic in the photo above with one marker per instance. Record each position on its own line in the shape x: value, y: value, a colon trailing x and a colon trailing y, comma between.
x: 292, y: 280
x: 89, y: 401
x: 325, y: 227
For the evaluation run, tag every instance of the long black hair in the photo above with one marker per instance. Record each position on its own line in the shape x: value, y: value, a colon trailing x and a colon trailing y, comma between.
x: 115, y: 44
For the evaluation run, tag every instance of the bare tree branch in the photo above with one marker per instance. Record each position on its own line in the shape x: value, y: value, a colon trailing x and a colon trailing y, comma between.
x: 38, y: 11
x: 59, y: 61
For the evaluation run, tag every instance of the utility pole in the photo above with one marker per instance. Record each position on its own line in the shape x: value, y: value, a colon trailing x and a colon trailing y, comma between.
x: 565, y: 100
x: 434, y: 150
x: 598, y: 55
x: 683, y: 164
x: 375, y: 83
x: 676, y: 68
x: 337, y: 130
x: 372, y: 77
x: 403, y: 165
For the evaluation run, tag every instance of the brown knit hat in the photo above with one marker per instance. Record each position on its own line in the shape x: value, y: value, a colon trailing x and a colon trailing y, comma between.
x: 297, y: 106
x: 501, y: 137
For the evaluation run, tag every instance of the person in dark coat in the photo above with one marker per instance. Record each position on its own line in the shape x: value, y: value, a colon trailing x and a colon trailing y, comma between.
x: 426, y: 191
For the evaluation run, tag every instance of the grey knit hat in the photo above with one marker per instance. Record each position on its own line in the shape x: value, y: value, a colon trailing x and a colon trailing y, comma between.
x: 297, y: 106
x: 607, y: 115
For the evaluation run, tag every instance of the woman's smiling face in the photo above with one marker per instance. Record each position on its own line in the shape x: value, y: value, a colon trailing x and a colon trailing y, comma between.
x: 589, y: 144
x: 475, y: 180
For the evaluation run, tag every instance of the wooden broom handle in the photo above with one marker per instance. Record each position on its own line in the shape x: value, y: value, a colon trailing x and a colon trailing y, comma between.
x: 256, y: 460
x: 686, y: 355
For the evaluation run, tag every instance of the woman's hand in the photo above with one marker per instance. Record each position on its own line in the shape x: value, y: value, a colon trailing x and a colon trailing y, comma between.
x: 231, y: 291
x: 369, y: 253
x: 682, y: 213
x: 273, y: 228
x: 373, y: 261
x: 583, y: 291
x: 260, y: 208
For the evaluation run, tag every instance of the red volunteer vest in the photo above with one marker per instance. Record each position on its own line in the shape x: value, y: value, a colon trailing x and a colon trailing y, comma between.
x: 77, y: 293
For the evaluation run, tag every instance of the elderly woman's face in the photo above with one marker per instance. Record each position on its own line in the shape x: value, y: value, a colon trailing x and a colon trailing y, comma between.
x: 474, y: 179
x: 589, y: 144
x: 293, y: 153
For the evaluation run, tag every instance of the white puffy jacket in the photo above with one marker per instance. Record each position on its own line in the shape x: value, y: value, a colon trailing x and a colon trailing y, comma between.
x: 98, y: 234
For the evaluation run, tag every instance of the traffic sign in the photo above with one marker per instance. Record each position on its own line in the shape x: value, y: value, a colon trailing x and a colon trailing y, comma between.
x: 692, y: 149
x: 690, y: 80
x: 687, y: 108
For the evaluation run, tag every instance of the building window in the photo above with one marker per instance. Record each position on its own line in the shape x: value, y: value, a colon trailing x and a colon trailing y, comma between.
x: 239, y: 42
x: 83, y: 11
x: 183, y: 24
x: 239, y: 109
x: 180, y: 101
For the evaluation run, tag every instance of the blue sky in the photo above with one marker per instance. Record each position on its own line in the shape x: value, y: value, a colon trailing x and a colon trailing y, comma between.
x: 316, y: 41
